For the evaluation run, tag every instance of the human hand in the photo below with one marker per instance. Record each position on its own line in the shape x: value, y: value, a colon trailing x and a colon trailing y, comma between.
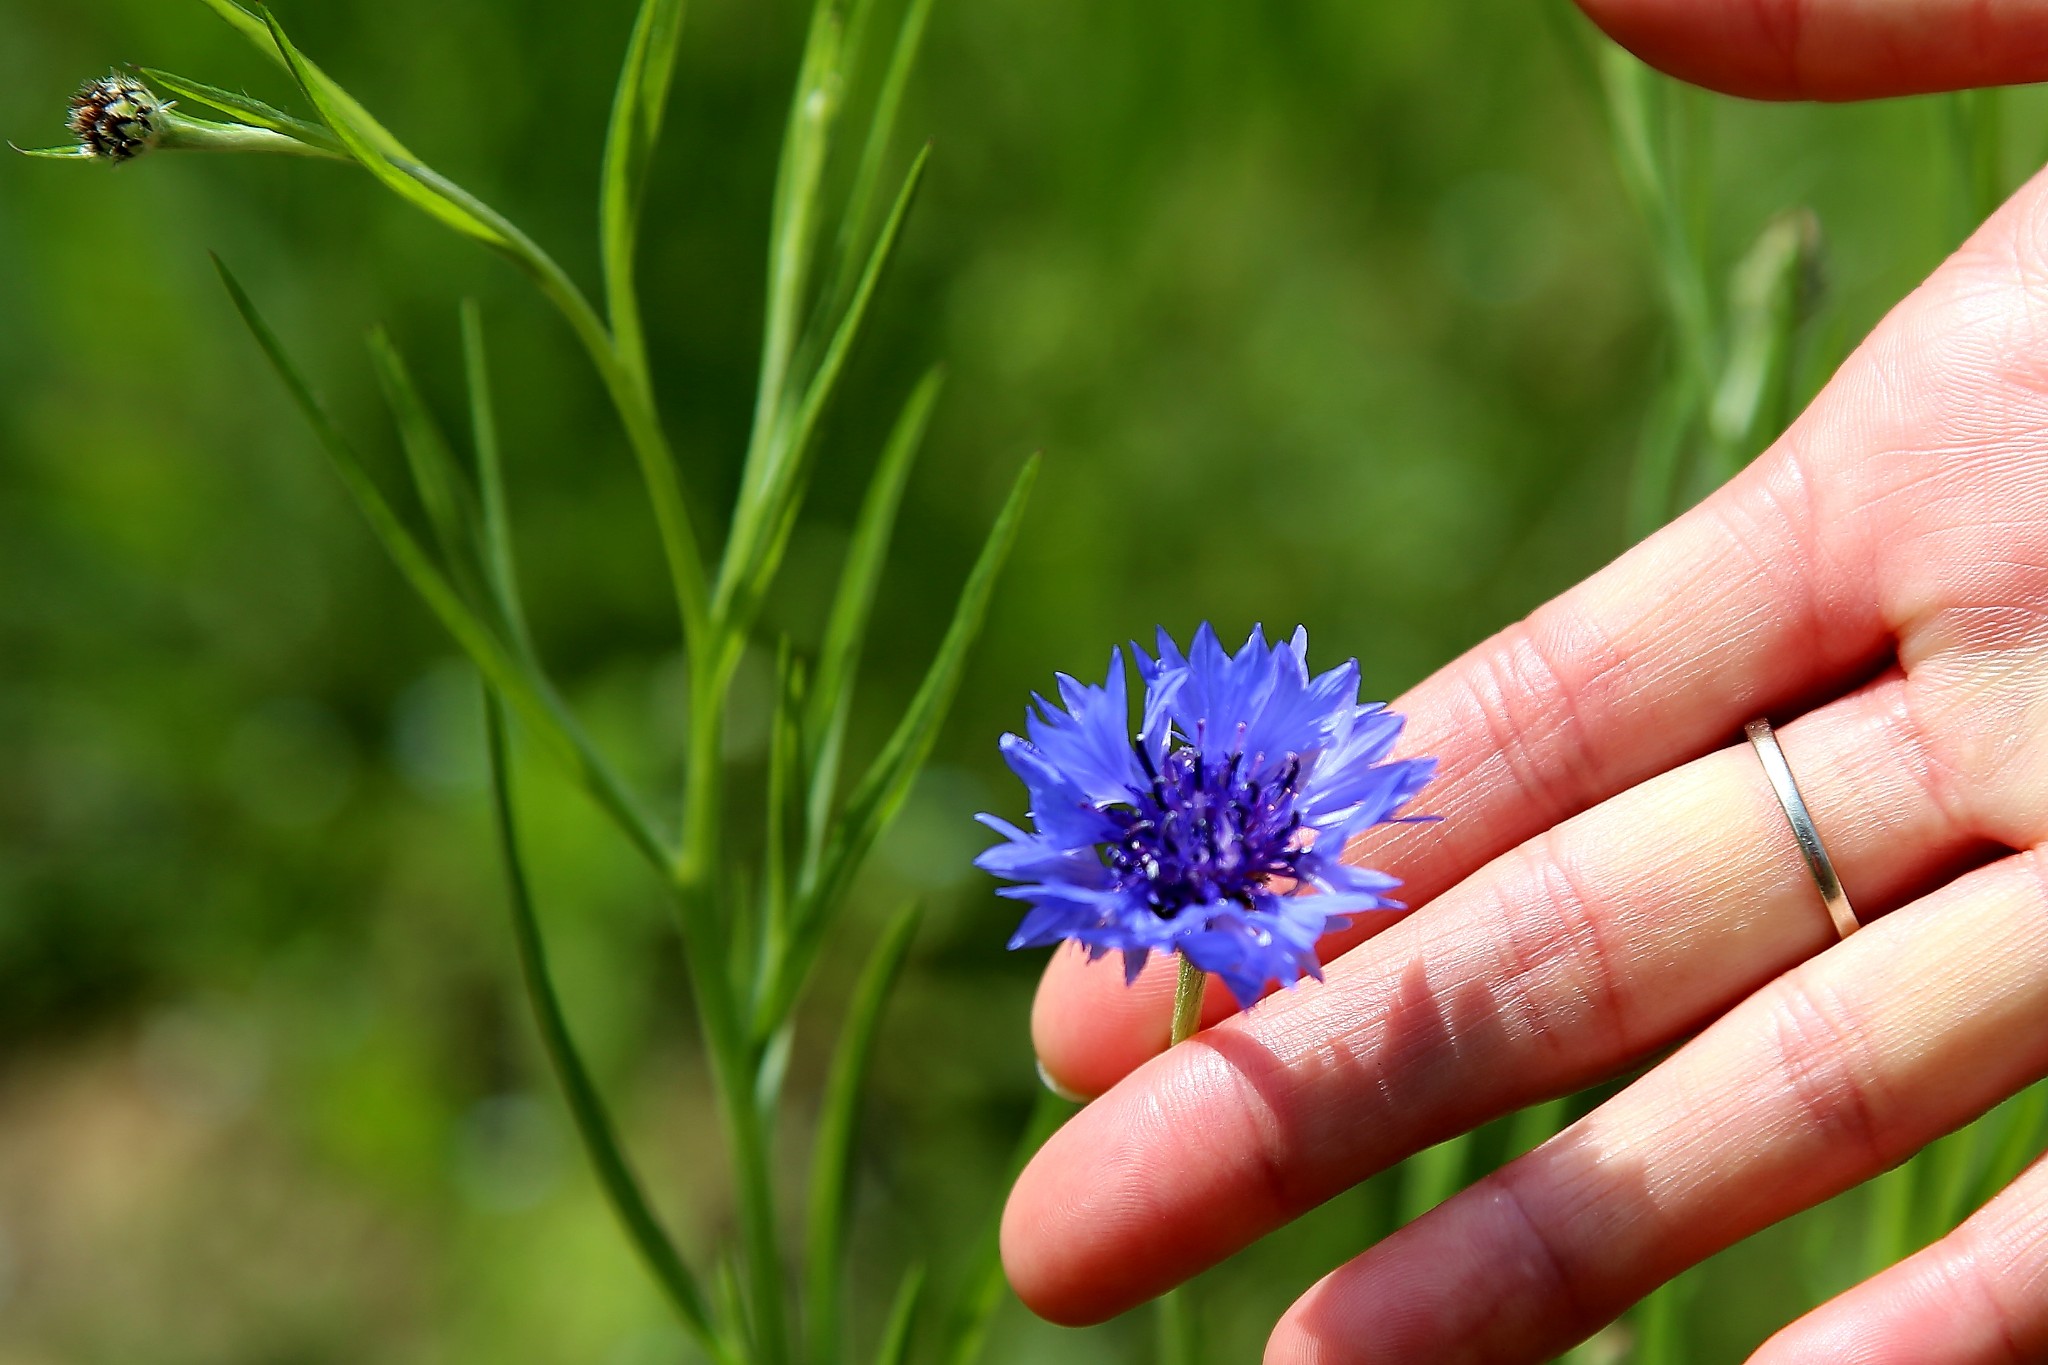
x: 1614, y: 875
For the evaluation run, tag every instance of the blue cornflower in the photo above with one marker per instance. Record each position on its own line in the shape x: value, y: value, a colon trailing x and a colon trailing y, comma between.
x: 1218, y: 831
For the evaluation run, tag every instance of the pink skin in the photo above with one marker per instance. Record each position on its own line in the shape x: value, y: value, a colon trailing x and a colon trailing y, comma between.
x: 1613, y: 875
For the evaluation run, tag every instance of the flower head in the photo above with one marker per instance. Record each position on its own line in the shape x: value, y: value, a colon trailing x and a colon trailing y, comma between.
x: 1218, y: 830
x: 117, y: 118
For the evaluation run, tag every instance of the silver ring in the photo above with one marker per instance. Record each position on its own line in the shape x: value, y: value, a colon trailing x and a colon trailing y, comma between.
x: 1765, y: 742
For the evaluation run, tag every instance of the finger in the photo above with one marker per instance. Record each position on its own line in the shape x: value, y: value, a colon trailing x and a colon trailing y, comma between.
x: 1617, y: 933
x: 1979, y: 1296
x: 1834, y: 49
x: 1622, y: 677
x: 1826, y: 1077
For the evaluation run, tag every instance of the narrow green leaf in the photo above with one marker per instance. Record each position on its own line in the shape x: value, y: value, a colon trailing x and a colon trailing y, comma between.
x: 358, y: 136
x: 451, y: 507
x: 882, y: 790
x: 1890, y: 1235
x: 499, y: 562
x: 628, y: 149
x: 832, y: 1157
x: 895, y: 1344
x: 806, y: 139
x: 831, y: 697
x: 1669, y: 429
x: 867, y: 178
x: 1661, y: 1324
x: 594, y: 1125
x: 528, y: 694
x: 57, y: 153
x: 767, y: 513
x: 260, y: 29
x: 982, y: 1289
x: 249, y: 110
x: 2026, y: 1128
x: 1771, y: 295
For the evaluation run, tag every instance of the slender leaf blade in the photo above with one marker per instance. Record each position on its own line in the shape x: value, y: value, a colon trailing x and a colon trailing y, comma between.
x: 894, y: 1348
x: 260, y: 29
x: 637, y: 111
x: 832, y: 1157
x: 57, y: 153
x: 867, y: 178
x: 594, y: 1126
x: 529, y: 696
x: 763, y: 521
x: 982, y: 1291
x: 500, y: 564
x: 882, y: 790
x: 831, y: 697
x: 358, y: 134
x: 244, y: 107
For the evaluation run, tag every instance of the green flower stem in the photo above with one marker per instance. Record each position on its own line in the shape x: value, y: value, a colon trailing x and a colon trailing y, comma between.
x: 203, y: 135
x: 1187, y: 1002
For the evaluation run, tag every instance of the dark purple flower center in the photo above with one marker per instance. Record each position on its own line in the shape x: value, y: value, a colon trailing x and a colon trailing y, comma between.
x: 1204, y: 832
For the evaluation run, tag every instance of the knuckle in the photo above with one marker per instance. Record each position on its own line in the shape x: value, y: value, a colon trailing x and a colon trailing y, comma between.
x: 1828, y: 1066
x: 1530, y: 695
x: 1558, y: 966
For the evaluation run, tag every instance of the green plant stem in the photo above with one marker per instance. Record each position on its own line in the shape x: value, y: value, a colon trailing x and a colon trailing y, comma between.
x: 735, y: 1058
x: 1187, y: 1002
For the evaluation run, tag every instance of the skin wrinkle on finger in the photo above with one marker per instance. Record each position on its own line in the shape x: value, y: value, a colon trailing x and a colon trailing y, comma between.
x: 1739, y: 1128
x: 1473, y: 1009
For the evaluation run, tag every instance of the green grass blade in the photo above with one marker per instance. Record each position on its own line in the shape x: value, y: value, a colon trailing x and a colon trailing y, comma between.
x: 260, y: 29
x: 762, y: 522
x: 529, y: 696
x: 2026, y: 1128
x: 982, y: 1290
x: 838, y: 1120
x: 249, y: 110
x: 637, y: 111
x: 1771, y: 296
x: 867, y: 178
x: 882, y: 790
x: 615, y: 1175
x: 831, y: 697
x: 57, y: 153
x: 500, y: 564
x: 1539, y: 1123
x: 358, y: 134
x: 1174, y: 1315
x: 1890, y: 1234
x: 1433, y: 1175
x: 895, y: 1344
x: 1660, y: 1321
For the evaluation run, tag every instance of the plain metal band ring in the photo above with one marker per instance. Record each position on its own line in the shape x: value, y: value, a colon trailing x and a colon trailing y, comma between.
x: 1765, y: 742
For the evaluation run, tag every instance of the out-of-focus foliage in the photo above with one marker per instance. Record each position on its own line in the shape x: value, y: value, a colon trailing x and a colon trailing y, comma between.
x: 1322, y: 312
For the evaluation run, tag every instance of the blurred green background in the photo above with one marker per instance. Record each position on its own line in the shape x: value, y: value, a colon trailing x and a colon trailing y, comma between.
x: 1322, y: 312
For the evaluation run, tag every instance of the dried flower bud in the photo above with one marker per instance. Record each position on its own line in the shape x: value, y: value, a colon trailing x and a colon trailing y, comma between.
x: 117, y: 118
